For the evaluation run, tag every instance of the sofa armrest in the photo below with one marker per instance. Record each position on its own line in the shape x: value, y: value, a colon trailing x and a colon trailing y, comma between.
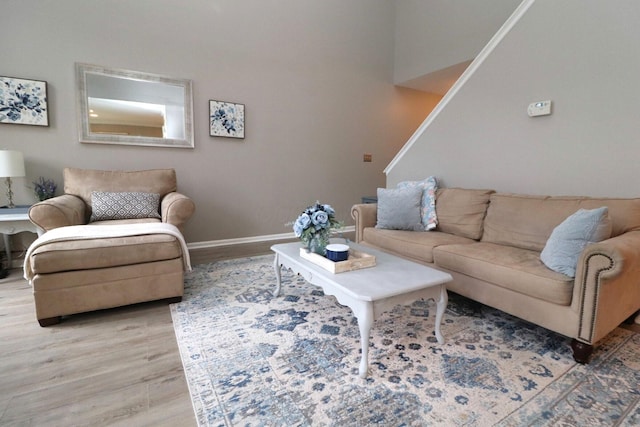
x: 176, y: 208
x: 607, y: 285
x: 57, y: 212
x: 365, y: 215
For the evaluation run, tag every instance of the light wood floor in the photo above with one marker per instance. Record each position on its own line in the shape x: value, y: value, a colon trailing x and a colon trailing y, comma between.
x: 113, y: 367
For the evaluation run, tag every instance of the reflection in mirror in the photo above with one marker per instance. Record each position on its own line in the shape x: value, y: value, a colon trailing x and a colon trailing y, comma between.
x: 129, y: 107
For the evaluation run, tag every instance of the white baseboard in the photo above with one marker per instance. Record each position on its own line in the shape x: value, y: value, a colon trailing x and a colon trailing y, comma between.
x: 253, y: 239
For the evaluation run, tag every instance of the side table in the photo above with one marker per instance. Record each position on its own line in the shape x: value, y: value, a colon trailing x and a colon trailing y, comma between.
x: 12, y: 221
x: 370, y: 199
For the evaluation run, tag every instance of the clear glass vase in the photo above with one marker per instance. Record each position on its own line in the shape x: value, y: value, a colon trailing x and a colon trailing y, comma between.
x: 318, y: 243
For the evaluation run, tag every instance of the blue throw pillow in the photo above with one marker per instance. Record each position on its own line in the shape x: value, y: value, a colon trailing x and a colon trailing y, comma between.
x: 568, y: 240
x: 399, y: 209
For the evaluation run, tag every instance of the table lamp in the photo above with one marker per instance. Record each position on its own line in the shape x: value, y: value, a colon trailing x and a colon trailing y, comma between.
x: 11, y: 165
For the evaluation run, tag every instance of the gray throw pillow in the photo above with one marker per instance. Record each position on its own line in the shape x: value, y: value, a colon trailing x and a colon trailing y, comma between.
x: 399, y: 209
x: 568, y: 240
x: 124, y: 205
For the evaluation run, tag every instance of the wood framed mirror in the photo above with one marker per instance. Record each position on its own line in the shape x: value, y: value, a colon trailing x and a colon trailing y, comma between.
x: 133, y: 108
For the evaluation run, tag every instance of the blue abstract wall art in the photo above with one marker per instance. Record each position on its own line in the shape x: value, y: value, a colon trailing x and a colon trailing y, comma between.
x: 23, y: 102
x: 226, y: 119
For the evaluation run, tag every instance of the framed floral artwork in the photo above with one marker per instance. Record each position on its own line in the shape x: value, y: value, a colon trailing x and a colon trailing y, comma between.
x: 23, y: 102
x: 226, y: 119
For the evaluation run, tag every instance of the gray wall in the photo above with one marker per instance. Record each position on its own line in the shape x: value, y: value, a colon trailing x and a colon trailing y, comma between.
x: 583, y: 55
x: 315, y: 77
x: 436, y: 34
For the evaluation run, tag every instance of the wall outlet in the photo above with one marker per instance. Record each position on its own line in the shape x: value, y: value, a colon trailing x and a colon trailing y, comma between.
x: 367, y: 158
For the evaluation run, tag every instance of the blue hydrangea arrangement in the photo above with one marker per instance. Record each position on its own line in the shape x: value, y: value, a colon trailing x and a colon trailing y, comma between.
x: 314, y: 226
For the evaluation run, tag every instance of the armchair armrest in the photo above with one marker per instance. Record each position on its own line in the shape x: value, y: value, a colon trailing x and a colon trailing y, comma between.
x: 176, y: 208
x: 365, y: 215
x: 607, y: 285
x: 57, y: 212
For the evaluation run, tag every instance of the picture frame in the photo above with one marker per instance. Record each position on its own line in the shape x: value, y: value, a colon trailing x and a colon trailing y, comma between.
x: 23, y: 101
x: 226, y: 119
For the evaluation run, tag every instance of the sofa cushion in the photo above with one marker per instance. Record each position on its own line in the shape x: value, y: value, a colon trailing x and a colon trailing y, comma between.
x: 399, y: 209
x: 69, y: 282
x: 429, y: 186
x: 409, y: 244
x: 126, y: 221
x: 124, y: 205
x: 519, y: 270
x: 103, y: 253
x: 568, y: 239
x: 461, y: 211
x: 526, y: 222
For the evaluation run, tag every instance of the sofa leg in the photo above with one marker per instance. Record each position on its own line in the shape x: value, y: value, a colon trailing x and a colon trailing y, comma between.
x: 49, y: 321
x: 173, y: 300
x: 581, y: 351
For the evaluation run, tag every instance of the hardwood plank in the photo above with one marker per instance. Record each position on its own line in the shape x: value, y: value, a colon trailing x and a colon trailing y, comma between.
x: 84, y: 410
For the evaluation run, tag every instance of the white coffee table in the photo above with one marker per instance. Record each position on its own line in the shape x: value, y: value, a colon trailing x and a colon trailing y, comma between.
x: 370, y: 291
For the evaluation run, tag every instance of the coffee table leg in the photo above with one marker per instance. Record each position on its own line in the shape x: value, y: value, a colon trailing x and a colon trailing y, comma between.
x: 276, y: 266
x: 365, y: 321
x: 440, y: 308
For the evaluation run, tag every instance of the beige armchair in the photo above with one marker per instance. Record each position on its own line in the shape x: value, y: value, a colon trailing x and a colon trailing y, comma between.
x: 116, y: 241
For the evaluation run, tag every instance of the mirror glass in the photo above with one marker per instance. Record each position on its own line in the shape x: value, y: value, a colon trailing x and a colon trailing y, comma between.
x: 133, y: 108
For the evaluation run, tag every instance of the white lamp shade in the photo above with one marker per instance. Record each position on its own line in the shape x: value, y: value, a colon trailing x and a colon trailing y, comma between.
x: 11, y: 163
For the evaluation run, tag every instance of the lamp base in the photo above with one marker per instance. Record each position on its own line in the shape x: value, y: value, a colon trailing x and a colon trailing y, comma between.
x: 7, y: 181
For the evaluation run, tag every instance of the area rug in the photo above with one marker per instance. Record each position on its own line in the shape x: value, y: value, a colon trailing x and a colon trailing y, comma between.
x: 252, y: 359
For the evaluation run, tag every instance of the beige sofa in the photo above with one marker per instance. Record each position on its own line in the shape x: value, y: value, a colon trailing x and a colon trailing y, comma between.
x: 77, y: 275
x: 491, y: 243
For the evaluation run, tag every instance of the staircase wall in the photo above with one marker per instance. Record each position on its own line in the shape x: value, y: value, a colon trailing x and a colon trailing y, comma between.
x: 584, y: 56
x: 432, y: 35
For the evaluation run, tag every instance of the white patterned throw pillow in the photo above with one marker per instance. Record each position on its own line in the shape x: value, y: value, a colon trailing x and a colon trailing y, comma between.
x: 124, y: 205
x: 428, y: 204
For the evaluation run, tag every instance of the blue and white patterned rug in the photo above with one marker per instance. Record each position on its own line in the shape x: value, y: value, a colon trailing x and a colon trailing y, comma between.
x: 251, y: 359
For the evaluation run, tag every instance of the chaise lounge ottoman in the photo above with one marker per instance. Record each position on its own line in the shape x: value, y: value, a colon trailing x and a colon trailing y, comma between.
x: 83, y: 264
